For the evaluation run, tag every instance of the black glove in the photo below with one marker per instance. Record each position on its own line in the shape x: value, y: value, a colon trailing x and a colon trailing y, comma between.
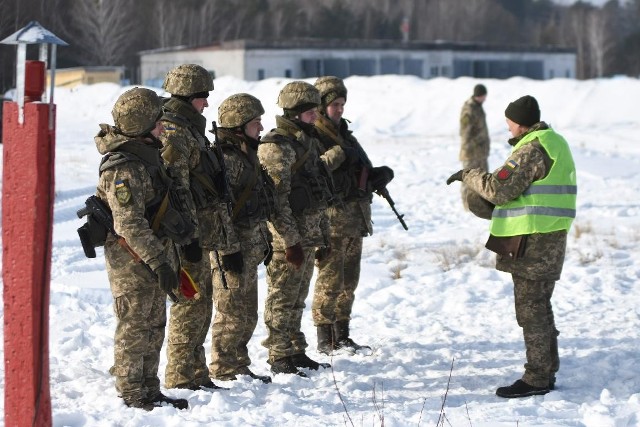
x: 295, y: 255
x: 379, y: 177
x: 193, y: 252
x: 167, y: 278
x: 352, y: 155
x: 233, y: 262
x: 322, y: 253
x: 455, y: 177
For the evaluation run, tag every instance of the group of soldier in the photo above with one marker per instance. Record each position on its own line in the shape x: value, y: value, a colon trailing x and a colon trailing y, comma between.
x: 193, y: 220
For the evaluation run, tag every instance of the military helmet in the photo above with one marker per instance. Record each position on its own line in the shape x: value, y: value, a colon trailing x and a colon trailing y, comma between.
x: 330, y: 88
x: 238, y: 110
x: 298, y: 97
x: 136, y: 111
x: 187, y: 80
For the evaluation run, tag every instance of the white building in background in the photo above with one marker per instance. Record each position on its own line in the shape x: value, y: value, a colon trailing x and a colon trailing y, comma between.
x: 307, y: 58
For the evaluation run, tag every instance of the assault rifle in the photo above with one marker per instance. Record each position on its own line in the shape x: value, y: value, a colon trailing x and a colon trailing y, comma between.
x: 93, y: 234
x: 363, y: 178
x: 226, y: 192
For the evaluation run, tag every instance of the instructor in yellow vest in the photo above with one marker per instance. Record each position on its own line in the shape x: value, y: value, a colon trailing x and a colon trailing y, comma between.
x: 532, y: 200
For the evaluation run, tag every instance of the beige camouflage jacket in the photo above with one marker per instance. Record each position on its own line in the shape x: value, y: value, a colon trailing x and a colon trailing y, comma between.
x: 182, y: 153
x: 353, y: 216
x: 473, y: 132
x: 544, y: 253
x: 277, y: 155
x: 127, y: 189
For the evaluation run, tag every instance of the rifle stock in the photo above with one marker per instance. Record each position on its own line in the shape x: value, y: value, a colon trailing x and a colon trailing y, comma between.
x: 99, y: 210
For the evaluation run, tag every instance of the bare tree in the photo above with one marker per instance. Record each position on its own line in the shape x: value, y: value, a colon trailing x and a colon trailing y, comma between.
x: 104, y: 29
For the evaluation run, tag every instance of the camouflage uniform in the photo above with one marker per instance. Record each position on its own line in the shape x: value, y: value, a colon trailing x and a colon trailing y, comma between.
x: 130, y: 183
x: 236, y: 299
x: 350, y: 221
x: 301, y: 219
x: 185, y: 150
x: 474, y: 150
x: 536, y: 270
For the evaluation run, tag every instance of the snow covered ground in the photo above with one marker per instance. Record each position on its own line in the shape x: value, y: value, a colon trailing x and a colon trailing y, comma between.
x: 438, y: 315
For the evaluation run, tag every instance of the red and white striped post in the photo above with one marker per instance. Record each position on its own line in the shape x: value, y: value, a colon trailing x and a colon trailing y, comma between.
x: 27, y: 224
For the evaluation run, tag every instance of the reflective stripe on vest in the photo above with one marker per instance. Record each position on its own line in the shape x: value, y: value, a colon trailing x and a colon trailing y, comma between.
x: 548, y: 204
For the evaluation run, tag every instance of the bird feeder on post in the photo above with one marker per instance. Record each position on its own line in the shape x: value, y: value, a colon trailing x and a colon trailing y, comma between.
x: 27, y: 225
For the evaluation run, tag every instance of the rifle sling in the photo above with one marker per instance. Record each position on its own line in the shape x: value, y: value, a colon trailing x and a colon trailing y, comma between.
x: 157, y: 219
x: 336, y: 137
x: 205, y: 182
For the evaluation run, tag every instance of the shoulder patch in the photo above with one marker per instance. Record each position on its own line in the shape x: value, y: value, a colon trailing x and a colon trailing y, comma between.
x: 123, y: 192
x: 507, y: 169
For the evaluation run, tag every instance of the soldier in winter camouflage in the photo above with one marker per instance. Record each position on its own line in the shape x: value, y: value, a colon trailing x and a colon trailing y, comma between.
x: 355, y: 180
x: 534, y: 194
x: 187, y: 154
x: 132, y: 183
x: 474, y: 150
x: 236, y: 298
x: 290, y: 156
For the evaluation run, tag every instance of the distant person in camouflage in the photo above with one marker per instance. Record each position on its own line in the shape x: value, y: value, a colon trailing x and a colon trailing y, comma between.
x: 185, y: 151
x: 236, y: 297
x: 132, y: 183
x: 474, y: 135
x: 534, y: 194
x: 290, y: 156
x: 355, y: 179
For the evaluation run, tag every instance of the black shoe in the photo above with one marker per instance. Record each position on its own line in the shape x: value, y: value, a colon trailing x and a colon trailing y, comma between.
x: 351, y: 346
x: 140, y: 404
x: 520, y: 389
x: 286, y: 366
x: 246, y: 371
x: 209, y: 385
x: 552, y: 383
x: 303, y: 361
x: 326, y: 340
x: 160, y: 398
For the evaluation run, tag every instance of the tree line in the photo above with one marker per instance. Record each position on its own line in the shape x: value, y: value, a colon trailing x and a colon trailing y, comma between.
x: 112, y: 32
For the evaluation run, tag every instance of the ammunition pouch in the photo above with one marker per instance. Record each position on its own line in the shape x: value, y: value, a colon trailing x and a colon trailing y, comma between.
x: 309, y: 192
x: 206, y: 180
x: 172, y: 219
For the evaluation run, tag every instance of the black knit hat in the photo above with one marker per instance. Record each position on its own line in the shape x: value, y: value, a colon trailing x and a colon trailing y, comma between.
x: 523, y: 111
x: 479, y: 90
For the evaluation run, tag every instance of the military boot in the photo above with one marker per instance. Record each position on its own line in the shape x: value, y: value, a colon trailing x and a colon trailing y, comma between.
x: 301, y: 360
x: 140, y: 404
x: 160, y: 398
x: 326, y: 340
x: 286, y: 366
x: 342, y: 340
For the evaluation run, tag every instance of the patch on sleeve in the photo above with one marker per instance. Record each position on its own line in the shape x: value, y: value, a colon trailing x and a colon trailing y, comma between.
x: 123, y: 192
x: 507, y: 170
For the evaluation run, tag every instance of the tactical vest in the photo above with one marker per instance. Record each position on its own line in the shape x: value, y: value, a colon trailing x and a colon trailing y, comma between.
x: 346, y: 176
x: 167, y: 212
x: 548, y: 204
x: 310, y: 188
x: 205, y: 180
x: 254, y: 194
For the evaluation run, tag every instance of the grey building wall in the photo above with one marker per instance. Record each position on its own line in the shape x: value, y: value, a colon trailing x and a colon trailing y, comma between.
x: 259, y: 60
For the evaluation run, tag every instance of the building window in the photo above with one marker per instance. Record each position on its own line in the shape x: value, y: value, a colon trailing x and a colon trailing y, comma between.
x: 433, y: 71
x: 287, y: 73
x: 444, y: 71
x: 260, y: 73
